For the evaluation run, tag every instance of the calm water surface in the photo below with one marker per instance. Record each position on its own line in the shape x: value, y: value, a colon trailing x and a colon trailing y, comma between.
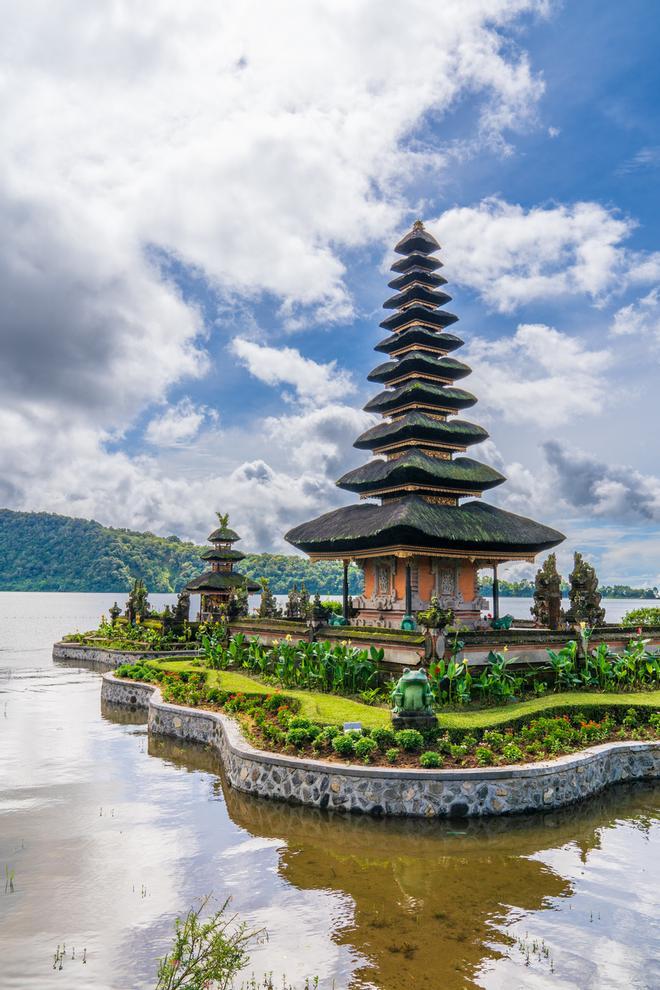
x: 110, y: 836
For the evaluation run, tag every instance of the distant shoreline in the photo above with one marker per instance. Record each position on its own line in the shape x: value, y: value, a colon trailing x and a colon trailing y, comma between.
x: 486, y: 591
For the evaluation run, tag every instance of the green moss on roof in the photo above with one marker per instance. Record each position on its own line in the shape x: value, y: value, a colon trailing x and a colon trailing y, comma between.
x: 418, y: 294
x: 417, y: 467
x: 412, y: 521
x: 220, y: 581
x: 420, y: 335
x: 438, y: 396
x: 231, y: 555
x: 422, y: 362
x: 417, y: 425
x: 223, y: 535
x: 421, y: 314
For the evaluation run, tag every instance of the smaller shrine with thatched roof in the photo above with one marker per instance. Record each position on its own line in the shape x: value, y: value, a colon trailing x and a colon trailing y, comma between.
x: 221, y: 583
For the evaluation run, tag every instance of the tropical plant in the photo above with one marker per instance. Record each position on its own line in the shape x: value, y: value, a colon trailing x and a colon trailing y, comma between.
x: 563, y: 664
x: 498, y: 682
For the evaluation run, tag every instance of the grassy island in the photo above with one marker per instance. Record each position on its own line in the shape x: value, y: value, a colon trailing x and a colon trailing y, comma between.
x: 297, y: 697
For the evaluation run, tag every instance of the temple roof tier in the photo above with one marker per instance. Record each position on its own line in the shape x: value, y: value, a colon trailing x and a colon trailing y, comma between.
x: 417, y: 240
x: 417, y: 276
x: 412, y: 524
x: 416, y: 475
x: 221, y: 581
x: 223, y: 535
x: 418, y: 314
x: 415, y: 467
x: 419, y: 426
x: 421, y: 262
x: 214, y: 553
x: 420, y: 395
x: 421, y: 363
x: 419, y: 336
x: 417, y: 294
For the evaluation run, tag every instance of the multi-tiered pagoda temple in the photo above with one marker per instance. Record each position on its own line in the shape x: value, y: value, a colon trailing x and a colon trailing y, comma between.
x: 416, y: 537
x: 217, y: 585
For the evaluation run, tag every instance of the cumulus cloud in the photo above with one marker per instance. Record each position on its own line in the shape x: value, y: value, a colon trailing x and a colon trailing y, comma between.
x: 322, y: 437
x: 313, y: 382
x: 641, y: 317
x: 603, y: 489
x: 540, y: 375
x: 512, y: 256
x: 245, y: 144
x: 178, y: 424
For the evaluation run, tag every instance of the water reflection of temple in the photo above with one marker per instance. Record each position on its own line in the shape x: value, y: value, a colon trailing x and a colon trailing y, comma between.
x: 429, y: 898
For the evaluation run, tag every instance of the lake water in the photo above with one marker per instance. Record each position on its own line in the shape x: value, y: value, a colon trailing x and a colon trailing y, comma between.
x: 110, y: 835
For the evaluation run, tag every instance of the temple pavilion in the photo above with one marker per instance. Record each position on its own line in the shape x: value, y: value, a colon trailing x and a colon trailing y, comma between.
x: 217, y: 585
x: 414, y: 534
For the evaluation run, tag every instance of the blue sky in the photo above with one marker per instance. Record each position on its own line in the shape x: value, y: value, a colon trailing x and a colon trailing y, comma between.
x: 198, y: 210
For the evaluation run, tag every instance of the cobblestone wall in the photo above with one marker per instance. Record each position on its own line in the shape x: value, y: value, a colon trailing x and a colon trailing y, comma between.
x: 109, y: 658
x: 375, y: 790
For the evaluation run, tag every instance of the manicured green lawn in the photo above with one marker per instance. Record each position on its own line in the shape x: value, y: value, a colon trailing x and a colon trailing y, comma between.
x: 334, y: 710
x: 486, y: 718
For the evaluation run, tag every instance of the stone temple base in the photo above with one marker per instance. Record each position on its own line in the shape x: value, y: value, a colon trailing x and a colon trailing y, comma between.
x: 412, y: 721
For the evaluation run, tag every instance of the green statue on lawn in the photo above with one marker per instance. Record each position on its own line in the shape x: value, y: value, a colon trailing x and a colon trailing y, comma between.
x: 413, y: 695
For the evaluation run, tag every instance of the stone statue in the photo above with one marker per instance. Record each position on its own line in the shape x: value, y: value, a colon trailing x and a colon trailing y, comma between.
x: 114, y: 612
x: 182, y: 608
x: 413, y: 701
x: 584, y: 595
x: 547, y: 594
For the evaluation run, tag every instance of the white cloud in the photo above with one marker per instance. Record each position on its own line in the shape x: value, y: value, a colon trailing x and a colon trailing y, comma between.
x: 539, y: 375
x: 512, y: 256
x: 322, y: 437
x: 641, y: 317
x: 246, y: 143
x: 178, y: 424
x: 314, y: 383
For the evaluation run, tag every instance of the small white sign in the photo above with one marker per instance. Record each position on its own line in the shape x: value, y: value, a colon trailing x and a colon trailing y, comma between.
x: 349, y: 726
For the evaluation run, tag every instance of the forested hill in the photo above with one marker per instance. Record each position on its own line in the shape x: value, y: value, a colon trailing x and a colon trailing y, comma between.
x: 40, y: 551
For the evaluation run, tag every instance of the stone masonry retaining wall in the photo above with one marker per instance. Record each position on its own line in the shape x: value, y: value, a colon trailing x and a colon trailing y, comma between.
x: 377, y: 790
x: 113, y: 658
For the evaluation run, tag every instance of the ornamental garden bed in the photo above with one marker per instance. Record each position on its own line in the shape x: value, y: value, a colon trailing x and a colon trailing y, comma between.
x: 310, y: 724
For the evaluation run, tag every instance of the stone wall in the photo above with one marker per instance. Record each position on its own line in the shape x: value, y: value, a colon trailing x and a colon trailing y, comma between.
x: 111, y: 658
x: 376, y: 790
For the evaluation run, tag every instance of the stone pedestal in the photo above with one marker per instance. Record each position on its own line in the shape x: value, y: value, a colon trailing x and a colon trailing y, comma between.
x: 411, y: 721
